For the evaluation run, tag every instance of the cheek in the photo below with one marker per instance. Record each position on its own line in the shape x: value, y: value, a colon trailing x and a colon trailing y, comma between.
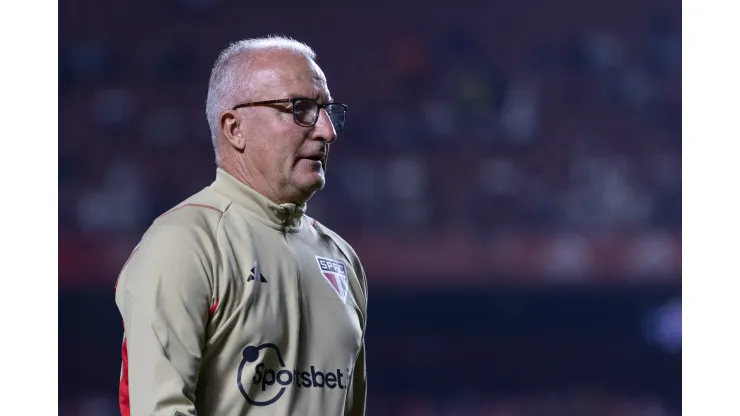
x: 278, y: 149
x: 267, y: 156
x: 283, y: 152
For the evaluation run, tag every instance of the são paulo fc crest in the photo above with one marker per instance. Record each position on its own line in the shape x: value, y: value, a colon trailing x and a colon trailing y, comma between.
x: 335, y: 272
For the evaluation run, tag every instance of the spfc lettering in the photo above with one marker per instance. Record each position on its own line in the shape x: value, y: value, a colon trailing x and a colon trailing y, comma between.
x: 335, y: 273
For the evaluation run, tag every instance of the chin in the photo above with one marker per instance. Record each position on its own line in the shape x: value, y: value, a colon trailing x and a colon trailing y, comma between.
x: 312, y: 182
x: 317, y: 184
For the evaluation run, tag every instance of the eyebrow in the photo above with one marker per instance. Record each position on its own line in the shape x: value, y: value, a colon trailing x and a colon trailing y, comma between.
x: 316, y: 98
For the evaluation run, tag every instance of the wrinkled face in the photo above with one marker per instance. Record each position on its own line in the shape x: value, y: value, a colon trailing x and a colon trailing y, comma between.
x: 288, y: 158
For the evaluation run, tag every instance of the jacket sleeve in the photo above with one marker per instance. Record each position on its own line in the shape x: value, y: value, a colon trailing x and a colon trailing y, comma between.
x: 357, y: 394
x: 164, y: 295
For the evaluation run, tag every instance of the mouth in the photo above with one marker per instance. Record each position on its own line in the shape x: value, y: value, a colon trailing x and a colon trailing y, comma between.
x: 315, y: 158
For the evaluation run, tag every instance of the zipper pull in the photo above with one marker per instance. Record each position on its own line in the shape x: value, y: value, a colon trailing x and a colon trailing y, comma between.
x: 287, y: 217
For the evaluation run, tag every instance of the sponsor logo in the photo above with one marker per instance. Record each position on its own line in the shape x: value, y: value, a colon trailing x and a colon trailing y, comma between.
x: 269, y: 383
x: 335, y: 272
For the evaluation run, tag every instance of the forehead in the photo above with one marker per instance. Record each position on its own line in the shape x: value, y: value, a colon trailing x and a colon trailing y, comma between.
x: 283, y: 74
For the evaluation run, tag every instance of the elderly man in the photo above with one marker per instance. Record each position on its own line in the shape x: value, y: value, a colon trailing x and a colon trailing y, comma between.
x: 235, y: 302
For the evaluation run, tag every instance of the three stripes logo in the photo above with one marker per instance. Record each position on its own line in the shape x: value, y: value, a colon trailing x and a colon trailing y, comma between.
x: 255, y: 272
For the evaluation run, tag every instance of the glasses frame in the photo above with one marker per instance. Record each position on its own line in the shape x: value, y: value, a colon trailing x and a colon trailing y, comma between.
x: 295, y: 117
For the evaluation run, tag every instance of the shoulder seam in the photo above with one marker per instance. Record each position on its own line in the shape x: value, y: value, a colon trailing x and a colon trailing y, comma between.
x: 190, y: 205
x: 217, y: 254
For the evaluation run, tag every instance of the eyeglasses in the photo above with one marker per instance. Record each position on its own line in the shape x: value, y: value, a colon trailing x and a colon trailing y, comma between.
x: 306, y: 111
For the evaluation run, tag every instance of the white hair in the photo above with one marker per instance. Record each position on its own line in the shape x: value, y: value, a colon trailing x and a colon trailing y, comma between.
x: 227, y: 75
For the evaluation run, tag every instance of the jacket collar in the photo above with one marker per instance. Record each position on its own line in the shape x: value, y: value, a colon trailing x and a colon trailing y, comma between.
x: 279, y: 216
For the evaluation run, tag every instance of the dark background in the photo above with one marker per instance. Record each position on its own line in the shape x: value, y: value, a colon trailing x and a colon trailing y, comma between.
x: 510, y: 176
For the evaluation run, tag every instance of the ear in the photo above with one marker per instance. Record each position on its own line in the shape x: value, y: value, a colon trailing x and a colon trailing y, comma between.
x: 232, y: 126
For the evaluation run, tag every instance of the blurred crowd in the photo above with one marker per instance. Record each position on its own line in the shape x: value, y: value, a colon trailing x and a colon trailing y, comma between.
x: 582, y: 134
x: 560, y: 127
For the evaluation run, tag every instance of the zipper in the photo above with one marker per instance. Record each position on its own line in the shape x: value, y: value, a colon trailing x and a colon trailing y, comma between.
x: 286, y: 220
x: 286, y: 223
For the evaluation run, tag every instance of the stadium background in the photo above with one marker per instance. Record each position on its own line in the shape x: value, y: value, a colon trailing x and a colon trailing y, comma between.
x: 510, y: 176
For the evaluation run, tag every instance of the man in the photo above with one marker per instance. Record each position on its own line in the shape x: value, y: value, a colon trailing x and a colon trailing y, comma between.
x: 235, y: 302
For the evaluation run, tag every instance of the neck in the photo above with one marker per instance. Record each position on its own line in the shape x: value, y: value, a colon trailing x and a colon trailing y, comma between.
x: 258, y: 182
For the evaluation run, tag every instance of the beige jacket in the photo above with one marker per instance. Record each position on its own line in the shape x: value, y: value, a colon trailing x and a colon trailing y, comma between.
x: 234, y: 305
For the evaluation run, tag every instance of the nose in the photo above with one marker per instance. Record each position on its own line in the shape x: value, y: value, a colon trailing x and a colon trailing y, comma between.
x: 324, y: 129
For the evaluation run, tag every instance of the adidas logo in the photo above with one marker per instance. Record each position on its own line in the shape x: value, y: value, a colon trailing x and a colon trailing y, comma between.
x: 253, y: 274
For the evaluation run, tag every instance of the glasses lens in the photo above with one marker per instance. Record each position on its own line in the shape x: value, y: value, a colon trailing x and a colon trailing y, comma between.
x: 337, y: 115
x: 304, y: 112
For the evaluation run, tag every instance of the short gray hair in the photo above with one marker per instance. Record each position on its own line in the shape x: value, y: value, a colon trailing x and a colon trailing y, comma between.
x: 226, y: 75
